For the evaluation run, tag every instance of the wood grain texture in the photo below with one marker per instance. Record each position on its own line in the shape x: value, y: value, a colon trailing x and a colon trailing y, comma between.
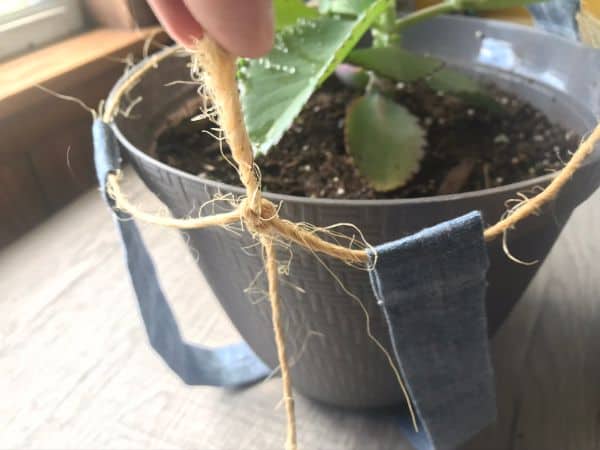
x: 81, y: 57
x: 77, y: 371
x: 52, y: 135
x: 63, y: 162
x: 18, y: 181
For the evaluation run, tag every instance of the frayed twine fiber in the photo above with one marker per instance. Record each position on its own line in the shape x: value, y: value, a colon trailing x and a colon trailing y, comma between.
x: 215, y: 71
x: 288, y: 396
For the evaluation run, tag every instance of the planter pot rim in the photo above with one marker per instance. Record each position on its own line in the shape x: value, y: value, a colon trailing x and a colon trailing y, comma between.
x: 507, y: 188
x: 356, y: 376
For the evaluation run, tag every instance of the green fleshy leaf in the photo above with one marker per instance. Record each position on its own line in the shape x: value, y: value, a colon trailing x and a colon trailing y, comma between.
x: 492, y: 4
x: 450, y: 80
x: 352, y: 76
x: 401, y: 65
x: 287, y: 12
x: 352, y: 7
x: 395, y: 63
x: 455, y: 83
x: 275, y: 88
x: 385, y: 140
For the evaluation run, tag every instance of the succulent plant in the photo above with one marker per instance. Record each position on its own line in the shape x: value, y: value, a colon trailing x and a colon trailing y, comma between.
x: 384, y: 138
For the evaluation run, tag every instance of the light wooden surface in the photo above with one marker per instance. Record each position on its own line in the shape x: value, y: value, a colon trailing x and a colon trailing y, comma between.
x: 77, y: 372
x: 80, y: 56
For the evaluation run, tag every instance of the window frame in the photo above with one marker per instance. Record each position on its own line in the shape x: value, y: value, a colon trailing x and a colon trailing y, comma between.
x: 38, y: 25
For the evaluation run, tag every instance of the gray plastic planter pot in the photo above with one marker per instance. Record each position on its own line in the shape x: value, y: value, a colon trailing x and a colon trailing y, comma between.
x: 335, y: 362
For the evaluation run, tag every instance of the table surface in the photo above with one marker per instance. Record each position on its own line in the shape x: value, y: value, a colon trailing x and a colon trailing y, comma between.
x: 77, y: 371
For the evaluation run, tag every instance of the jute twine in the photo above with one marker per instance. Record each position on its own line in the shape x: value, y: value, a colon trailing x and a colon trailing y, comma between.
x: 260, y: 216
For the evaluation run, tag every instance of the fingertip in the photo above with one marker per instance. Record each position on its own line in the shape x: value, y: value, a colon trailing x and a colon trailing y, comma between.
x: 177, y: 21
x: 244, y: 28
x: 260, y: 44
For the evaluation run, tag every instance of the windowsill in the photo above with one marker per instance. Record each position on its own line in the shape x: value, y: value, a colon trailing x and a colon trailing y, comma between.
x: 62, y: 64
x: 46, y: 152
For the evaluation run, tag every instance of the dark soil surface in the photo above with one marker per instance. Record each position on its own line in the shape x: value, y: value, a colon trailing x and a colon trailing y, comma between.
x: 468, y: 148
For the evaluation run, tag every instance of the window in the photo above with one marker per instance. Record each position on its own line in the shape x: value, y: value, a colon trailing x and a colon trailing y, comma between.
x: 28, y: 24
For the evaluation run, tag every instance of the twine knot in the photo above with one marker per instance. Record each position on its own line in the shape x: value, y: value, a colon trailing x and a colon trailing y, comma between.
x: 261, y: 217
x: 258, y: 216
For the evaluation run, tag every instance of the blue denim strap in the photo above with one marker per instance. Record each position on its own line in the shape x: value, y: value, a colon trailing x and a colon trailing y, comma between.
x: 431, y: 286
x: 229, y: 366
x: 556, y: 17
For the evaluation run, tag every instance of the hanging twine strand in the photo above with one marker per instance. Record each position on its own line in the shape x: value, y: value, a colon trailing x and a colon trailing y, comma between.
x: 288, y: 396
x: 215, y: 69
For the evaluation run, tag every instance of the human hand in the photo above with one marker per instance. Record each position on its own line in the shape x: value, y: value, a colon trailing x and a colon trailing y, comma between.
x: 243, y: 27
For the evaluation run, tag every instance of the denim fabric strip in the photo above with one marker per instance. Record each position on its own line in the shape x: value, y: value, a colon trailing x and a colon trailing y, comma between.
x: 431, y: 286
x: 557, y: 17
x: 229, y: 366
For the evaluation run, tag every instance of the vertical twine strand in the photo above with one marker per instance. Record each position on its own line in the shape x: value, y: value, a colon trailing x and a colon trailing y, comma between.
x: 218, y: 75
x: 271, y: 268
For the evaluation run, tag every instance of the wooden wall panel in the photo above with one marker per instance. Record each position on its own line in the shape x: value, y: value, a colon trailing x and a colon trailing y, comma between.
x: 22, y: 204
x: 63, y: 164
x: 62, y: 153
x: 46, y: 147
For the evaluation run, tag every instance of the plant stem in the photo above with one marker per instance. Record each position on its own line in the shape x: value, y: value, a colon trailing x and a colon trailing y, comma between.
x: 425, y: 13
x: 384, y: 29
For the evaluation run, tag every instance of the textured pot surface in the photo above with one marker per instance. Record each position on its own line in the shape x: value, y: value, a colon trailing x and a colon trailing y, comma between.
x: 334, y: 361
